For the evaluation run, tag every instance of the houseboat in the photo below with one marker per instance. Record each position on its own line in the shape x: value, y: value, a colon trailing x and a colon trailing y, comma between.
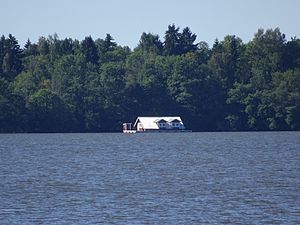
x: 162, y: 124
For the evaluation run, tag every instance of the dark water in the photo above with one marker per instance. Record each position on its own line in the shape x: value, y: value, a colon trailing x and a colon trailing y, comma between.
x: 191, y: 178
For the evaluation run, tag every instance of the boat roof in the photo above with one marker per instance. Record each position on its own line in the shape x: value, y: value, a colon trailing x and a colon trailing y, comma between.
x: 160, y: 121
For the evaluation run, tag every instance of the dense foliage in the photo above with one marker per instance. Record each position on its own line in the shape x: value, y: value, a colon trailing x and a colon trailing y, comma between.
x: 94, y: 85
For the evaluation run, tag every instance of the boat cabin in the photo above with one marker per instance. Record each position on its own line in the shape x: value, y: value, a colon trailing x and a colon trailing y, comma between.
x: 155, y: 124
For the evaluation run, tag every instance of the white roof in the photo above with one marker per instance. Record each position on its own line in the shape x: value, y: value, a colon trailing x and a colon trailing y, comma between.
x: 150, y: 122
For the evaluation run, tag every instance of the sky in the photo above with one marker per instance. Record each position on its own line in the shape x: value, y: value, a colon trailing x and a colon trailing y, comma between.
x: 126, y: 20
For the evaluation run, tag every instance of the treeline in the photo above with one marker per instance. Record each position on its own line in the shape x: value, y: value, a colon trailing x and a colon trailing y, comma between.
x: 94, y: 85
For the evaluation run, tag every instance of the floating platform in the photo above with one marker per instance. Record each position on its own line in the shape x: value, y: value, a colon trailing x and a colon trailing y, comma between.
x: 156, y: 131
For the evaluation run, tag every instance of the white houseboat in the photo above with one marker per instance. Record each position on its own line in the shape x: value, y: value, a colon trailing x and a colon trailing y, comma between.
x: 155, y: 125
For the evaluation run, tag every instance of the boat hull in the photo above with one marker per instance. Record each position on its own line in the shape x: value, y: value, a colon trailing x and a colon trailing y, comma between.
x: 156, y: 131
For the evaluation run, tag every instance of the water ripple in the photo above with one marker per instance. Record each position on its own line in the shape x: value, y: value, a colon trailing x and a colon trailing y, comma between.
x: 195, y: 178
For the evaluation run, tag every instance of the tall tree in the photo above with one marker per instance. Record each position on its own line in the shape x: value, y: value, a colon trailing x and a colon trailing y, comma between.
x: 109, y: 43
x: 12, y: 57
x: 2, y: 52
x: 291, y: 54
x: 265, y: 53
x: 186, y: 41
x: 30, y: 49
x: 204, y: 52
x: 227, y: 61
x: 43, y: 46
x: 89, y: 50
x: 171, y: 43
x: 150, y: 43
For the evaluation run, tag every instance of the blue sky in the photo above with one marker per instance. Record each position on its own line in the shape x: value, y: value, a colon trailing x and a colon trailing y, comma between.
x: 125, y: 20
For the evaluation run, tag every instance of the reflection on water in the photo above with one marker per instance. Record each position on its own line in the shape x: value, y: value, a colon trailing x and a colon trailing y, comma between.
x: 213, y: 178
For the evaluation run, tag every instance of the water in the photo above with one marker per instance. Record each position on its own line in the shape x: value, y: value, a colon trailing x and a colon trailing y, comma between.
x: 187, y: 178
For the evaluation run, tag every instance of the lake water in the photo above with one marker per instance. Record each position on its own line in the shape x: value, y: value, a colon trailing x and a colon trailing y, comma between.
x: 186, y: 178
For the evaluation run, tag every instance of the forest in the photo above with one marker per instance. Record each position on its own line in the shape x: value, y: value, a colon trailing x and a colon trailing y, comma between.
x: 67, y: 85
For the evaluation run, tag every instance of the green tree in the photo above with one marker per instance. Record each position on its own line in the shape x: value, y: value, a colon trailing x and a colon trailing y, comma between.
x: 43, y: 46
x: 265, y: 54
x: 30, y: 49
x: 112, y: 79
x: 11, y: 57
x: 186, y: 41
x: 291, y: 54
x: 109, y: 43
x: 48, y: 112
x: 13, y: 114
x: 89, y: 50
x: 171, y: 43
x: 227, y: 62
x: 191, y: 87
x: 204, y: 53
x: 69, y: 77
x: 150, y: 43
x: 2, y: 51
x: 286, y: 100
